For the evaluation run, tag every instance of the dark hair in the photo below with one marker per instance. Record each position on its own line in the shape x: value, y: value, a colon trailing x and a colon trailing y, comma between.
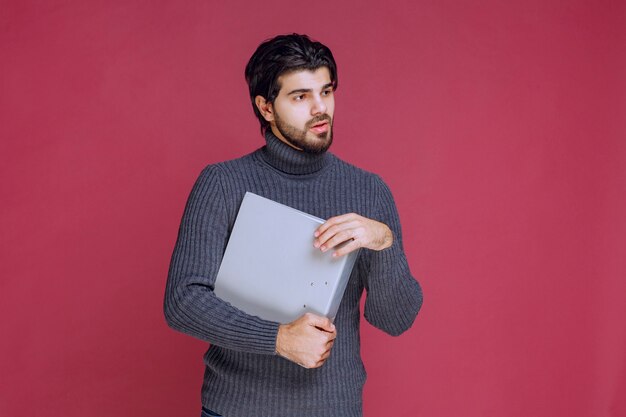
x: 281, y: 55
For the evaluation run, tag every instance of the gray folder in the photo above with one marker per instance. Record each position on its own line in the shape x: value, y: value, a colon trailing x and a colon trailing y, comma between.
x: 272, y: 270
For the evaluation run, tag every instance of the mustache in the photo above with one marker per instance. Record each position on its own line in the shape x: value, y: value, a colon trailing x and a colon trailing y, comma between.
x: 317, y: 119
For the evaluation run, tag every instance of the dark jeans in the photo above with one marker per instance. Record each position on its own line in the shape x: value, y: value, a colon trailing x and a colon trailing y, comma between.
x: 208, y: 413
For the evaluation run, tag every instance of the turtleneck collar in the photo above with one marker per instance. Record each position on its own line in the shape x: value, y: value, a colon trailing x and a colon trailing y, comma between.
x: 289, y: 160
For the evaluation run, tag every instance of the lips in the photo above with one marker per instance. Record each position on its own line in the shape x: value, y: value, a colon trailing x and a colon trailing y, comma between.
x: 320, y: 127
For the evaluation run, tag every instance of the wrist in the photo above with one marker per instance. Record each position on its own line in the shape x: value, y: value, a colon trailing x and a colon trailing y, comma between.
x: 280, y: 335
x: 387, y: 239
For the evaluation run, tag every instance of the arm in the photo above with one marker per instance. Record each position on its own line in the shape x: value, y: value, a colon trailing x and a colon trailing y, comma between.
x: 393, y: 296
x: 192, y: 307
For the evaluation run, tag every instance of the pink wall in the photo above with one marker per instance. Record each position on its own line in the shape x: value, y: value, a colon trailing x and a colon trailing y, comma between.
x: 500, y: 127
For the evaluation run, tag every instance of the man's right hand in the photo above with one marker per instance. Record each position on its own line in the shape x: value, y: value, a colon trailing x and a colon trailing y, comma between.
x: 306, y: 341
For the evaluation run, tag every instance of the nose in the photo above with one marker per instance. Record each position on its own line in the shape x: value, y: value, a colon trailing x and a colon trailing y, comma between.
x: 319, y: 107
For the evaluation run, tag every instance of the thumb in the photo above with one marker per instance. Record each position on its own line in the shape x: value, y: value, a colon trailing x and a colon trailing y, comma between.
x: 323, y: 323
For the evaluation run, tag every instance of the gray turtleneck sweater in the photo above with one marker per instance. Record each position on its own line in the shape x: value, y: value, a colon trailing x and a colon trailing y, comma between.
x: 244, y: 376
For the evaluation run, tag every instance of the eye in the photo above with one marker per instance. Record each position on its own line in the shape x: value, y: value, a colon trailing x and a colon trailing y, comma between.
x: 327, y: 92
x: 299, y: 97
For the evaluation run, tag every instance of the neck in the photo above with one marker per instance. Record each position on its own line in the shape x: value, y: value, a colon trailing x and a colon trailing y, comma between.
x: 290, y: 160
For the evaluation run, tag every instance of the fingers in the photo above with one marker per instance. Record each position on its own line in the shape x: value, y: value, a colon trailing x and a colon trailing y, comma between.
x: 306, y: 341
x: 344, y: 250
x: 322, y: 323
x: 334, y: 225
x: 335, y: 236
x: 338, y: 233
x: 333, y: 221
x: 353, y: 230
x: 331, y: 342
x: 323, y: 359
x: 315, y: 358
x: 324, y: 355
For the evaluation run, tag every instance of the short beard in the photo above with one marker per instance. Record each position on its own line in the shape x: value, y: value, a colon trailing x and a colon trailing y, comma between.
x: 298, y: 138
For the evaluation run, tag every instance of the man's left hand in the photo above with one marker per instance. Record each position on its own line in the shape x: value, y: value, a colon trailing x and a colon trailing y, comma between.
x: 360, y: 231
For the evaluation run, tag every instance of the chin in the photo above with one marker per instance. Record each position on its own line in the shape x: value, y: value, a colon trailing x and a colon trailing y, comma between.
x: 318, y: 145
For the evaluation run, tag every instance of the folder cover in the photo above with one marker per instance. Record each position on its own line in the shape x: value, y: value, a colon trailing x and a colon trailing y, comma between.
x: 271, y: 269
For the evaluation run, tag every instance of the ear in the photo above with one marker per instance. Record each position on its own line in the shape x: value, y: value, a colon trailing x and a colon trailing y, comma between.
x: 265, y: 108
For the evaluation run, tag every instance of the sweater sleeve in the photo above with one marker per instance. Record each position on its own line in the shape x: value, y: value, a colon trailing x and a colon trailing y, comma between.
x: 190, y: 305
x: 394, y: 297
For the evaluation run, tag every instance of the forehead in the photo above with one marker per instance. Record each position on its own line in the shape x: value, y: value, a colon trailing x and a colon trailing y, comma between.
x: 304, y: 80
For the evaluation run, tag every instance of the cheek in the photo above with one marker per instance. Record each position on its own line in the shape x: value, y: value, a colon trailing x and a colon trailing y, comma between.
x: 295, y: 116
x: 330, y: 108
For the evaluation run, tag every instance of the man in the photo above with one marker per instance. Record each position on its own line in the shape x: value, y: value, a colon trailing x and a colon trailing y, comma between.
x: 310, y: 367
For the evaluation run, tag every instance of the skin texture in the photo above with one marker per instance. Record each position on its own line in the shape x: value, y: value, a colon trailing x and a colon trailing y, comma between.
x: 360, y: 231
x: 305, y: 98
x: 301, y: 116
x: 306, y: 341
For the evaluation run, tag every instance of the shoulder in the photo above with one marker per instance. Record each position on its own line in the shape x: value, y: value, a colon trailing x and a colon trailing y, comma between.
x: 349, y: 170
x: 226, y: 181
x: 224, y: 168
x: 353, y: 170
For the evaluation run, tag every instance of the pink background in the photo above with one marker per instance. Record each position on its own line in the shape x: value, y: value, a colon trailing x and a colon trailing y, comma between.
x: 500, y: 127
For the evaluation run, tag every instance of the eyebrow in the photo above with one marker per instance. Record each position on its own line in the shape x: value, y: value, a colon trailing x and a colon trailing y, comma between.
x: 308, y: 90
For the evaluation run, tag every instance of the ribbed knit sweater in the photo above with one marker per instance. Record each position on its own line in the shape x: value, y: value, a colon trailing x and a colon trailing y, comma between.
x: 244, y: 376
